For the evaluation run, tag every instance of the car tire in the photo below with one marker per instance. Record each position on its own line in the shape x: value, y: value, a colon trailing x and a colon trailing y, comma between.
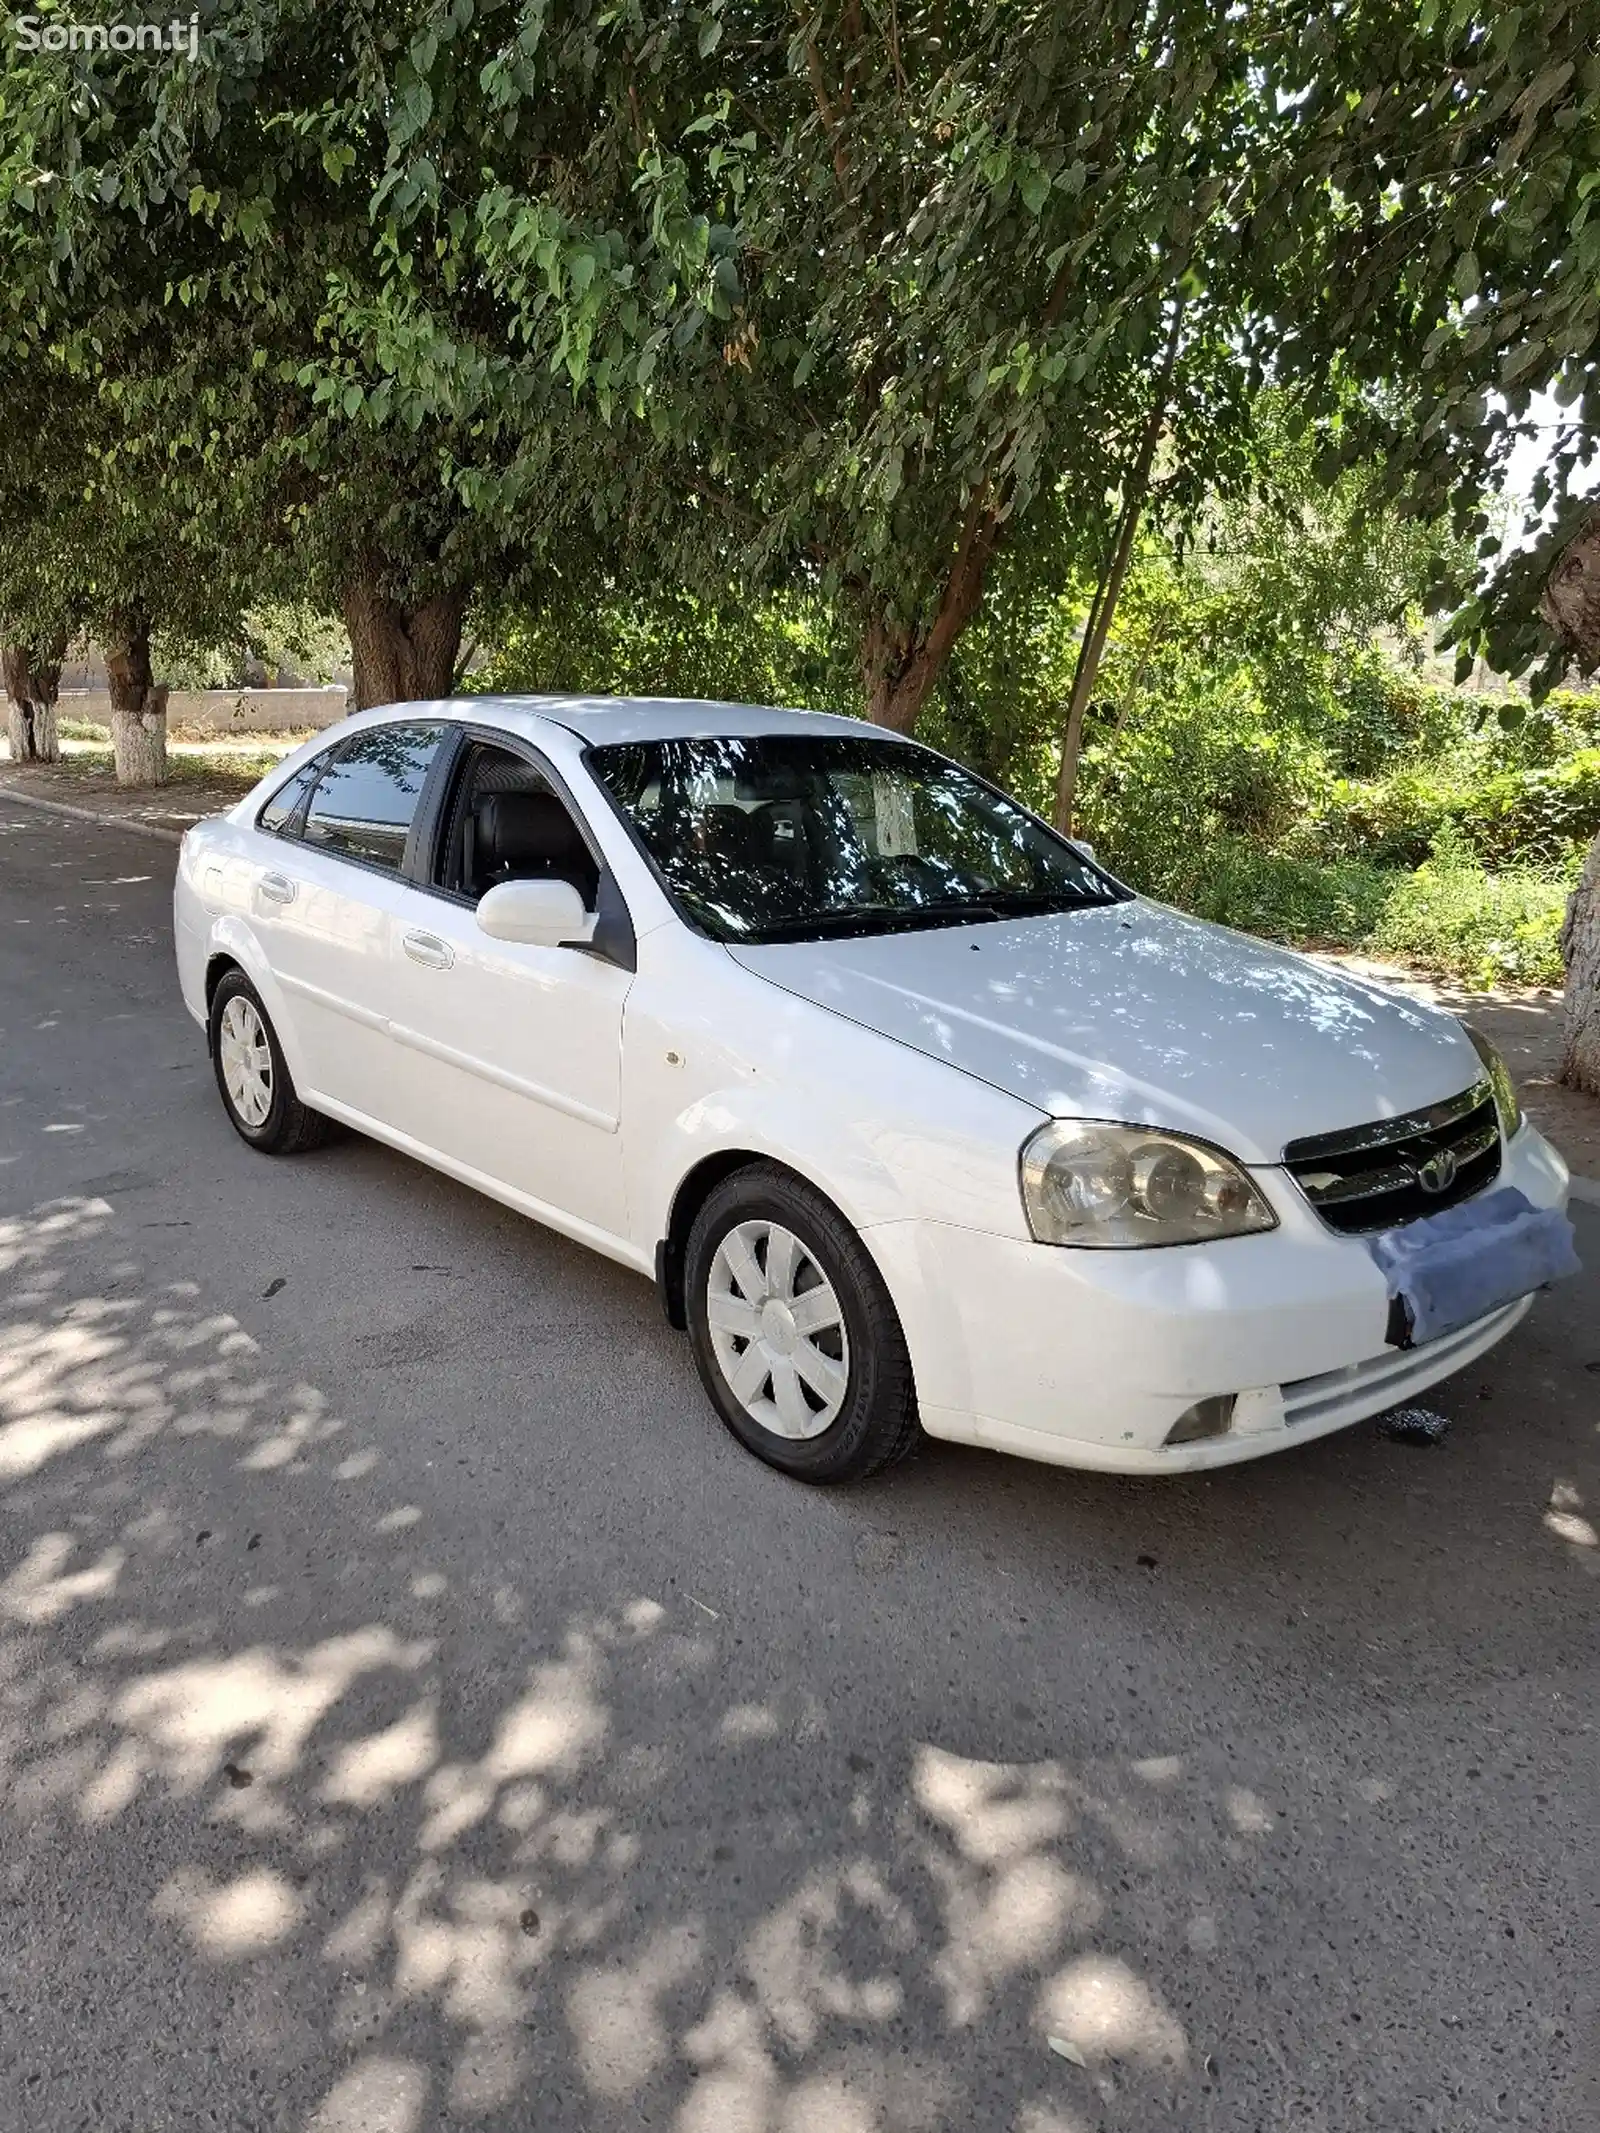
x: 765, y: 1238
x: 253, y: 1078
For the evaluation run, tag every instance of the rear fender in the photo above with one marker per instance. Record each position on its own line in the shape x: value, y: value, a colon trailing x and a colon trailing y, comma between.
x: 231, y: 937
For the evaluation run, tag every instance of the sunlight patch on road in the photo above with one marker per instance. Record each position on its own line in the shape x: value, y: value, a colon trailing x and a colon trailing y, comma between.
x: 188, y: 1715
x: 1565, y: 1517
x: 381, y: 2095
x: 232, y: 1919
x: 618, y: 2030
x: 38, y: 1591
x: 370, y: 1772
x: 1100, y: 2005
x: 993, y: 1810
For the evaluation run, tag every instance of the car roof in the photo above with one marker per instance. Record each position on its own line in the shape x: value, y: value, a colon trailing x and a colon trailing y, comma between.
x: 598, y: 719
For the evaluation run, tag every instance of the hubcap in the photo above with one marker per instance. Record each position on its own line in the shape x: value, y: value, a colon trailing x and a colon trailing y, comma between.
x: 777, y: 1330
x: 246, y: 1059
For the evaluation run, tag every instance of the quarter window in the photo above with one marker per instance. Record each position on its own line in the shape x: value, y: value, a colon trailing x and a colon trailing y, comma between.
x: 281, y: 809
x: 365, y: 800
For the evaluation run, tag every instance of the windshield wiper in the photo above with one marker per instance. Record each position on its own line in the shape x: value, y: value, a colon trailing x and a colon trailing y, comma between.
x: 1013, y: 903
x: 866, y: 918
x: 863, y: 919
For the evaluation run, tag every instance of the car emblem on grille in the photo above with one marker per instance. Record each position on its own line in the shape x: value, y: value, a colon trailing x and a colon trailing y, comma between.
x: 1438, y: 1173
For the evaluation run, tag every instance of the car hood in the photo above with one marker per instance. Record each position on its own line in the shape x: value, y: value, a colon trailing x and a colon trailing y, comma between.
x: 1136, y: 1012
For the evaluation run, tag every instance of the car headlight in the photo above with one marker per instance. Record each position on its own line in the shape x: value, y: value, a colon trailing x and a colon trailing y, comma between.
x: 1087, y: 1181
x: 1506, y: 1100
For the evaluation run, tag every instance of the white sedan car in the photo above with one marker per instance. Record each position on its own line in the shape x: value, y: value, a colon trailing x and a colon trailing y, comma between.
x: 916, y: 1117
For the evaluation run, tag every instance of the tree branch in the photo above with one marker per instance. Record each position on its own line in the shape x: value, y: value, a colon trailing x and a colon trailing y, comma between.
x: 835, y: 132
x: 1097, y: 626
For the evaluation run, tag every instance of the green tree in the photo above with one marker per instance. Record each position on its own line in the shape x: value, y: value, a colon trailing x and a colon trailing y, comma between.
x: 887, y: 289
x: 187, y: 238
x: 108, y: 542
x: 1465, y: 256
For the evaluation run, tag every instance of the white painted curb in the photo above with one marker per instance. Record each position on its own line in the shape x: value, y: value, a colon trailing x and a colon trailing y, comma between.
x: 88, y: 814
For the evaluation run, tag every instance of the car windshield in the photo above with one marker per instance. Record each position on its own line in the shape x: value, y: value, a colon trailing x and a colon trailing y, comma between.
x: 791, y: 837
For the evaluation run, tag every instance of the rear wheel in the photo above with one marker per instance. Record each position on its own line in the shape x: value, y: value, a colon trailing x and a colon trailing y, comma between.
x: 794, y: 1333
x: 257, y: 1090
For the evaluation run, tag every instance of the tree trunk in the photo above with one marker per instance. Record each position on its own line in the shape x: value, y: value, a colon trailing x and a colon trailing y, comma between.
x: 1571, y: 606
x: 138, y: 702
x: 1571, y: 601
x: 33, y: 682
x: 1097, y: 626
x: 899, y: 663
x: 1580, y: 947
x: 401, y: 655
x: 896, y: 674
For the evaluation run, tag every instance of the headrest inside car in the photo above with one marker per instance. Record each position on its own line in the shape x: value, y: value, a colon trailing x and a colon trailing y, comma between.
x: 772, y: 782
x: 521, y: 829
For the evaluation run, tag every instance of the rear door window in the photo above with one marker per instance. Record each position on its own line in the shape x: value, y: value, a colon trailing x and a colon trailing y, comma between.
x: 366, y: 800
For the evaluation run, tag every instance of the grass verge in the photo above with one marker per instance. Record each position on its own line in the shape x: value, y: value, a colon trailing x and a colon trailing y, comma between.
x: 1446, y: 917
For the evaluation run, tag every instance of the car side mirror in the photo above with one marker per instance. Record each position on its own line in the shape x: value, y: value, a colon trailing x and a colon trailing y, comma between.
x: 1081, y: 844
x: 542, y: 914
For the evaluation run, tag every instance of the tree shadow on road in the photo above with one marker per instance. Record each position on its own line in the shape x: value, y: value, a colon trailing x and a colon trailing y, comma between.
x: 388, y: 1823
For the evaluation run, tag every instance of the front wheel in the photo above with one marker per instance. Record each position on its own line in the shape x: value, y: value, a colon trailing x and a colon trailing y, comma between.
x: 794, y: 1333
x: 253, y: 1079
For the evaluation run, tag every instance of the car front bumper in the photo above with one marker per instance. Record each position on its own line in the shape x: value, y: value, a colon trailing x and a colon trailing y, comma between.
x: 1088, y: 1358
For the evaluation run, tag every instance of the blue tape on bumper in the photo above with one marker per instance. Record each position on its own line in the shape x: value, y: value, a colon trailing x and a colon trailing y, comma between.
x: 1453, y: 1268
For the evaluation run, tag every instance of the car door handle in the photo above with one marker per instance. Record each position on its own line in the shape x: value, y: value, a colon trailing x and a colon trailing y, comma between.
x: 429, y: 949
x: 279, y: 889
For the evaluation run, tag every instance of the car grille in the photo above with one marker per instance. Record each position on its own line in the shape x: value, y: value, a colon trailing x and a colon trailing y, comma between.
x: 1397, y: 1169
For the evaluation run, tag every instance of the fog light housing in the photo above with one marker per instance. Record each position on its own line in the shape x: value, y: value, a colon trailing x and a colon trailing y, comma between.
x: 1211, y: 1417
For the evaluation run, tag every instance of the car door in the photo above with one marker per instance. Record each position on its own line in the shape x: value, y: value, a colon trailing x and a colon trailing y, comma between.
x: 514, y: 1072
x: 325, y: 901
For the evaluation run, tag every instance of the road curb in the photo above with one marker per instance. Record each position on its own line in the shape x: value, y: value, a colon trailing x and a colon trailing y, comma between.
x: 1586, y: 1190
x: 88, y: 814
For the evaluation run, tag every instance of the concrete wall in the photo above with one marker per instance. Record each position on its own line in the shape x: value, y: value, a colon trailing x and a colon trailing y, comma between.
x: 223, y: 711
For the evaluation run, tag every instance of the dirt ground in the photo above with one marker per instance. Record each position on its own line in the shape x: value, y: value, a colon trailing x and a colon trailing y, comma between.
x: 170, y: 808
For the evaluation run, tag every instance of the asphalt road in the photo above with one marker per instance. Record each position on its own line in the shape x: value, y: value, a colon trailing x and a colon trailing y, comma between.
x: 415, y: 1710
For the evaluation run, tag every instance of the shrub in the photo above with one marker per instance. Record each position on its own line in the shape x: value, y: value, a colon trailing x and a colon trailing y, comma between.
x: 1450, y: 916
x: 1390, y: 821
x: 1386, y: 714
x: 673, y: 644
x: 1518, y: 735
x: 1233, y: 882
x: 1534, y: 817
x: 1526, y: 818
x: 1446, y: 916
x: 1203, y: 760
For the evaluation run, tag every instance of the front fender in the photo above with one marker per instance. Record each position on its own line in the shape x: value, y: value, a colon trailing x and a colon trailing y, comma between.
x: 842, y: 1158
x: 717, y: 1060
